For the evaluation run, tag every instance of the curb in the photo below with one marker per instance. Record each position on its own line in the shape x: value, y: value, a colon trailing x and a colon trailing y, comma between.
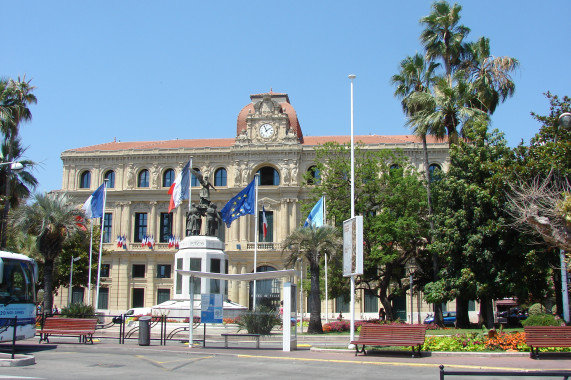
x: 438, y: 353
x: 18, y: 361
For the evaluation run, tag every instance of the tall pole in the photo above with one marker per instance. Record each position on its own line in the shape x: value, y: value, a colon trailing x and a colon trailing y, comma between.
x: 326, y: 283
x: 256, y: 179
x: 189, y: 183
x: 565, y: 122
x: 352, y: 306
x: 300, y: 295
x: 101, y: 245
x: 90, y: 264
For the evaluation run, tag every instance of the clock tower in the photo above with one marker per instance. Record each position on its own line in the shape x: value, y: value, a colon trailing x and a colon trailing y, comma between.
x: 268, y: 119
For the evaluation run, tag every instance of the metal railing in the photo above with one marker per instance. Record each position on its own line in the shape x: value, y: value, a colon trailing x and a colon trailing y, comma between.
x: 562, y: 373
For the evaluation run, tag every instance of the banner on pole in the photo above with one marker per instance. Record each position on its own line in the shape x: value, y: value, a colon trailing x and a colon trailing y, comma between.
x: 353, y: 246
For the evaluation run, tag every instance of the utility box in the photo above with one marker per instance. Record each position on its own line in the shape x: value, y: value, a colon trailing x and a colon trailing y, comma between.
x: 145, y: 331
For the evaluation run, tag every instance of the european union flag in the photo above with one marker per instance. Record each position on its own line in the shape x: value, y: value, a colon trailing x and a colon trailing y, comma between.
x: 242, y: 204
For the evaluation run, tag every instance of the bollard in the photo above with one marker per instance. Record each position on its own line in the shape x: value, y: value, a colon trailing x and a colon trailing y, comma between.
x: 144, y: 331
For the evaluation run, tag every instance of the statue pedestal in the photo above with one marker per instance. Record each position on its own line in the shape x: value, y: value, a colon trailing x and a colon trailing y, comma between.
x: 202, y: 254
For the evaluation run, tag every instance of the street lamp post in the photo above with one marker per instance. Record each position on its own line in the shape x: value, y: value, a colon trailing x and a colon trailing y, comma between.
x: 564, y: 122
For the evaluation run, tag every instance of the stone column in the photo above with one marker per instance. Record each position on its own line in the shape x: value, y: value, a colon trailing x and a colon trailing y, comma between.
x: 233, y: 286
x: 243, y: 296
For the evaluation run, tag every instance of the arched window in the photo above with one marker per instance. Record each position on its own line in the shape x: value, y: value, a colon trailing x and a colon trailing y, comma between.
x: 110, y: 177
x: 85, y: 180
x: 193, y: 180
x: 168, y: 178
x: 314, y: 176
x: 220, y: 177
x: 143, y: 180
x: 268, y: 176
x: 435, y: 172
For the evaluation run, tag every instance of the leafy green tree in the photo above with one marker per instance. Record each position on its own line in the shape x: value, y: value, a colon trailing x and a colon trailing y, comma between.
x: 312, y: 244
x: 483, y: 257
x: 53, y: 218
x: 390, y: 195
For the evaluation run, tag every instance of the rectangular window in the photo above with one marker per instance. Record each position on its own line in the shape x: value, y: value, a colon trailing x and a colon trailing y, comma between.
x: 270, y: 233
x: 178, y: 277
x: 342, y: 304
x: 103, y: 301
x: 163, y: 271
x: 163, y: 295
x: 140, y: 226
x: 196, y: 264
x: 138, y: 297
x: 105, y: 270
x: 166, y: 227
x: 371, y: 302
x: 471, y: 305
x: 107, y: 227
x: 77, y: 294
x: 215, y: 268
x: 138, y: 270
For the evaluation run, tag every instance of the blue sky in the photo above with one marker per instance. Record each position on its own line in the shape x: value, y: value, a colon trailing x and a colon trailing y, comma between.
x: 159, y: 70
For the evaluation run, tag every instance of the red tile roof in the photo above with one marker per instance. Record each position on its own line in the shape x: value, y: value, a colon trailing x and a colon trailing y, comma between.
x: 228, y: 142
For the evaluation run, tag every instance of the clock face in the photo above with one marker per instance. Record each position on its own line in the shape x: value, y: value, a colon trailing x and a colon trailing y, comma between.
x: 266, y: 130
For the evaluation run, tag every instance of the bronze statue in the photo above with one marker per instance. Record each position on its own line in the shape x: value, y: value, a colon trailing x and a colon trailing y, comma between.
x: 213, y: 220
x: 193, y: 221
x: 204, y: 209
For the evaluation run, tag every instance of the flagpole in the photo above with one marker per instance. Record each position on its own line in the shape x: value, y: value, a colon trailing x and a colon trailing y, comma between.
x: 352, y: 306
x: 101, y: 244
x: 90, y: 261
x: 189, y: 183
x: 326, y: 294
x: 256, y: 178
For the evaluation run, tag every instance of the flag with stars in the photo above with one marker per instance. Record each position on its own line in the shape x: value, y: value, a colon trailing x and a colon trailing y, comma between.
x: 242, y: 204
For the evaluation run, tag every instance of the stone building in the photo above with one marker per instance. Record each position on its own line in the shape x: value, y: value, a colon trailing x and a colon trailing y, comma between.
x: 268, y: 139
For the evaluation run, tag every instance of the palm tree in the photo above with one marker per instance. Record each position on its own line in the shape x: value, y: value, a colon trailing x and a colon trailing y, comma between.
x: 442, y: 36
x: 447, y: 111
x: 15, y: 97
x: 52, y: 218
x: 311, y: 244
x: 490, y: 75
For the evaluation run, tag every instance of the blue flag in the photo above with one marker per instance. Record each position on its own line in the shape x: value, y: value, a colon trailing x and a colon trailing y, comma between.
x: 93, y: 206
x: 242, y: 204
x: 315, y: 217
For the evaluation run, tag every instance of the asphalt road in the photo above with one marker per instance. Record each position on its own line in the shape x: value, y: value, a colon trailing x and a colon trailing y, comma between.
x: 104, y: 360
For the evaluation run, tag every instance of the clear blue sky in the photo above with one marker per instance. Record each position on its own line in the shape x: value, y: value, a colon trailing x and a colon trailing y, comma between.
x: 159, y: 70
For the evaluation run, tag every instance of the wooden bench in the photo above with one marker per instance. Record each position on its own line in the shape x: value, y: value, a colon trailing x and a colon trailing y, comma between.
x: 84, y: 328
x: 257, y: 336
x: 546, y: 336
x: 390, y: 335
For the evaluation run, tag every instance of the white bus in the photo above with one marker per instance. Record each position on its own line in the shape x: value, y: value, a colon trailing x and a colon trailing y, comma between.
x: 18, y: 276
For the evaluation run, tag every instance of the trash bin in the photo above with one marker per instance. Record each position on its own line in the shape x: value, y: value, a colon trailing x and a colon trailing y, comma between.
x: 144, y: 331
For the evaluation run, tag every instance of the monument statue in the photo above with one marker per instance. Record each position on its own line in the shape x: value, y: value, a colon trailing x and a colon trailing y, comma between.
x: 193, y: 221
x: 205, y: 208
x: 213, y: 220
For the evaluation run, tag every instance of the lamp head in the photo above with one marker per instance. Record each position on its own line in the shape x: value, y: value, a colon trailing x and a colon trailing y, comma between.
x: 565, y: 120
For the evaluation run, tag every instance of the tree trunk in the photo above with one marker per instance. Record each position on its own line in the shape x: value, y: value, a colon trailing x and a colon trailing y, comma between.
x: 48, y: 285
x: 315, y: 326
x: 462, y: 315
x: 438, y: 320
x: 487, y: 312
x: 383, y: 288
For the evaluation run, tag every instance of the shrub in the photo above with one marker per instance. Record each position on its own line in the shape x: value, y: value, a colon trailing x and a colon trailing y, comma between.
x: 538, y: 308
x: 541, y: 320
x: 259, y: 321
x: 78, y: 310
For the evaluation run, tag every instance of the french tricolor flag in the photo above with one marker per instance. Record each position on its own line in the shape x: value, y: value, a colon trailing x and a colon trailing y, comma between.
x: 264, y: 222
x: 180, y: 187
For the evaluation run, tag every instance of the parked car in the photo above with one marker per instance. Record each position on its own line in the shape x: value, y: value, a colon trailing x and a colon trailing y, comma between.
x: 448, y: 316
x: 513, y: 317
